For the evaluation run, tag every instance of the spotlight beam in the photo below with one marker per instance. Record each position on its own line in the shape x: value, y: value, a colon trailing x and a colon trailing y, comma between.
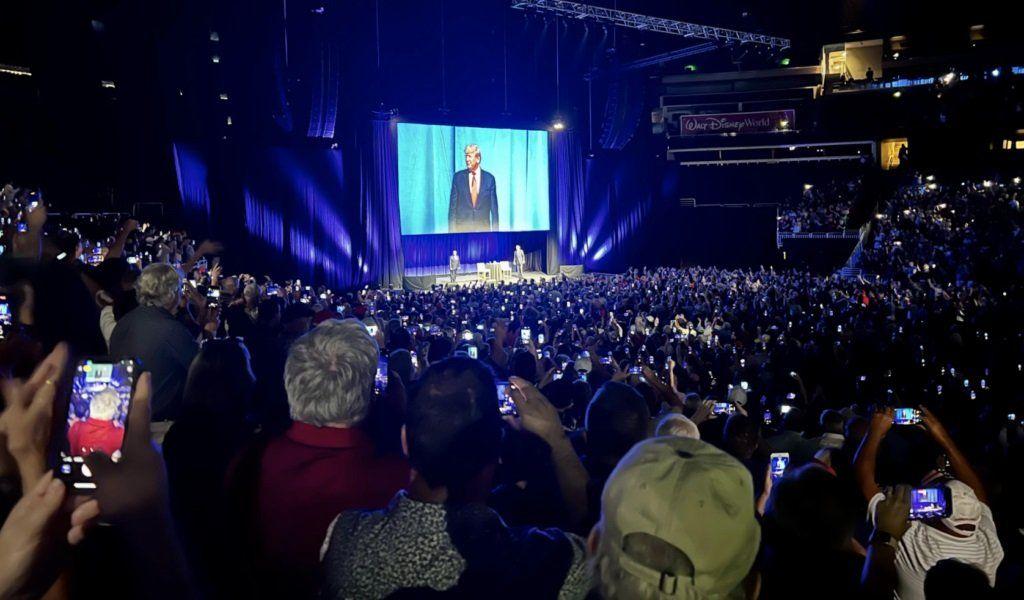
x: 575, y: 10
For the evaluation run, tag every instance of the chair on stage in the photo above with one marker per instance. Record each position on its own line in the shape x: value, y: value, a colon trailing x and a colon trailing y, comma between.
x: 482, y: 272
x: 506, y: 269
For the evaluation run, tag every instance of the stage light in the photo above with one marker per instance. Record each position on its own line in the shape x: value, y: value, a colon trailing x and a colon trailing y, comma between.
x: 784, y: 124
x: 995, y: 72
x: 792, y: 148
x: 223, y: 96
x: 807, y: 186
x: 1016, y: 180
x: 895, y: 54
x: 930, y: 178
x: 214, y: 36
x: 784, y: 62
x: 690, y: 68
x: 948, y: 77
x: 933, y: 186
x: 215, y: 59
x: 558, y: 125
x: 897, y: 94
x: 987, y: 183
x: 108, y: 84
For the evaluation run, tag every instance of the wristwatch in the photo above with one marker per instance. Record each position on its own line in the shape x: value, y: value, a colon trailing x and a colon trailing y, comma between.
x: 881, y: 537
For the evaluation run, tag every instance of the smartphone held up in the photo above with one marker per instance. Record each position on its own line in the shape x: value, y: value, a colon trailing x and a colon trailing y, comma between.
x: 101, y: 394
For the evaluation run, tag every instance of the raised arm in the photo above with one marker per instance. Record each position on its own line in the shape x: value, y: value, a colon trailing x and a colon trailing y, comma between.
x: 538, y: 416
x: 207, y: 247
x: 867, y: 454
x: 117, y: 248
x: 664, y: 392
x: 879, y: 577
x: 28, y: 244
x: 958, y: 463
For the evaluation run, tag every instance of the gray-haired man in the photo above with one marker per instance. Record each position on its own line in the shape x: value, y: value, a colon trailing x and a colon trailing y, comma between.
x: 152, y: 334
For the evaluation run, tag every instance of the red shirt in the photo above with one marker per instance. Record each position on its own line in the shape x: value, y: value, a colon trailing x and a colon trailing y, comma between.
x: 308, y: 476
x: 92, y: 435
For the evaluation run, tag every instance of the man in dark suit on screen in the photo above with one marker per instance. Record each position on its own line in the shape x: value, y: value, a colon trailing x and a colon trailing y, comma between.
x: 474, y: 199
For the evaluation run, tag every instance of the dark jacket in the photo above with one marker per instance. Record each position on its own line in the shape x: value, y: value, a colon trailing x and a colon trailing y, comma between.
x: 166, y: 349
x: 462, y: 216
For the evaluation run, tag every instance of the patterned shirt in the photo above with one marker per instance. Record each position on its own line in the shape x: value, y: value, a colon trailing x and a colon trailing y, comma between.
x: 468, y: 550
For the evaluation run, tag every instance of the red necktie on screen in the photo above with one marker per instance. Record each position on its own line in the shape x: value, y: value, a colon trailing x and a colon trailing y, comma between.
x: 473, y: 190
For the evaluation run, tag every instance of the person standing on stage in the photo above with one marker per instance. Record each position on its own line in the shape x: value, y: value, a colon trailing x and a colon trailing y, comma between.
x: 519, y: 260
x: 453, y: 264
x: 474, y: 198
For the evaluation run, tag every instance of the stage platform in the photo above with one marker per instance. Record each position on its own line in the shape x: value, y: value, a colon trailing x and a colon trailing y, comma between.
x: 424, y: 282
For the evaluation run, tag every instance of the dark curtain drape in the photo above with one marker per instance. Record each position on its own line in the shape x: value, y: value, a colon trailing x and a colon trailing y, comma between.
x: 567, y: 225
x: 425, y: 252
x: 379, y: 203
x: 193, y: 186
x: 302, y: 212
x: 603, y: 207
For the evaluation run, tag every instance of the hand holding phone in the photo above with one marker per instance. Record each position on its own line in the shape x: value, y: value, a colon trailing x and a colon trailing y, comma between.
x: 930, y: 503
x: 101, y: 395
x: 906, y: 416
x: 892, y: 514
x: 134, y: 488
x: 723, y: 408
x: 505, y: 404
x: 778, y: 461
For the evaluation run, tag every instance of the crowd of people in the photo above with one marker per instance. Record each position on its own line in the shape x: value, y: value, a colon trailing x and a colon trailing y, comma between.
x: 964, y: 232
x: 820, y: 208
x: 699, y: 433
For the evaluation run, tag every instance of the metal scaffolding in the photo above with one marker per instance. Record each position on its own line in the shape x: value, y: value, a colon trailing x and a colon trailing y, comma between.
x: 575, y: 10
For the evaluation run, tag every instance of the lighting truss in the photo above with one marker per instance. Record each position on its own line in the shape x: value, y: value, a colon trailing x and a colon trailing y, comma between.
x: 670, y: 56
x: 575, y: 10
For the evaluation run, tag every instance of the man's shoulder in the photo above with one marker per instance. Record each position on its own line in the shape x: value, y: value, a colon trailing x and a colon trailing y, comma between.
x: 136, y: 318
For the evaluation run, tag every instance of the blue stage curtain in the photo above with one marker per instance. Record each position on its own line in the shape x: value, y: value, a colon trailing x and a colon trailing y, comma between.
x: 424, y: 254
x: 300, y: 211
x: 193, y: 186
x: 564, y: 246
x: 379, y: 200
x: 603, y: 208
